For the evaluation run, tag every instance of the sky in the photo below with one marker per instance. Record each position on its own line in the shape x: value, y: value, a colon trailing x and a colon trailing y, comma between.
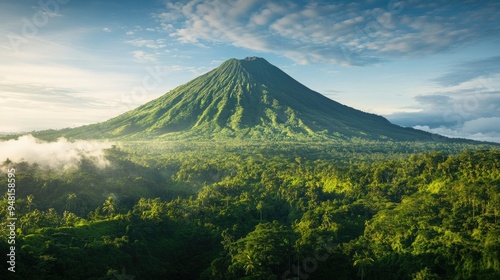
x: 431, y: 65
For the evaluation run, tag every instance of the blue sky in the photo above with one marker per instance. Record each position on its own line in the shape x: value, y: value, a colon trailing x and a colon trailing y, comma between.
x: 433, y: 65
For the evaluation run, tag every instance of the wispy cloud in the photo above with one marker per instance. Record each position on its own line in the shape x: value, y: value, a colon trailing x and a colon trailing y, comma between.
x: 339, y: 33
x: 144, y: 57
x: 451, y: 108
x: 488, y: 135
x: 152, y: 44
x: 59, y: 155
x: 470, y: 70
x: 51, y: 83
x: 39, y: 94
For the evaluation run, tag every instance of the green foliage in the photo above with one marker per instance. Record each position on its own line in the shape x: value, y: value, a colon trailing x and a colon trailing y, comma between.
x: 262, y: 251
x: 191, y: 210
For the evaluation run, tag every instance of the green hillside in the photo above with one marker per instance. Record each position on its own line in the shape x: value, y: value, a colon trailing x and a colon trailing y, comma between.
x: 245, y: 99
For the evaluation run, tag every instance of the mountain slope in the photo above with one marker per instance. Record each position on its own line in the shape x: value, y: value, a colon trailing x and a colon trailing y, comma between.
x: 248, y: 98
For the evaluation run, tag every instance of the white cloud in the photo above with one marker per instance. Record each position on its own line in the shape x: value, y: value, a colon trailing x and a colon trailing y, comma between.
x: 50, y: 83
x: 215, y: 21
x: 482, y: 70
x: 106, y: 29
x: 152, y: 44
x: 467, y: 107
x: 488, y: 136
x: 344, y: 33
x: 61, y: 154
x: 451, y: 108
x: 262, y: 17
x: 482, y: 125
x: 468, y: 101
x: 144, y: 57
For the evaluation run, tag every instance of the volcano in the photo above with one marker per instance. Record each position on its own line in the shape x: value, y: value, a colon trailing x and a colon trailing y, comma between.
x: 246, y: 99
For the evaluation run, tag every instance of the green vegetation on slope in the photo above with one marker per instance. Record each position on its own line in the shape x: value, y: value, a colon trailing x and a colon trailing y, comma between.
x: 245, y: 99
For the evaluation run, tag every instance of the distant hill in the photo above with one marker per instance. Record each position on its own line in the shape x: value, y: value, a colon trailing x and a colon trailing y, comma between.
x: 245, y: 99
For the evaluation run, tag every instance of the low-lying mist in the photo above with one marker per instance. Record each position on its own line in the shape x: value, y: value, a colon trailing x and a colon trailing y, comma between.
x: 62, y: 154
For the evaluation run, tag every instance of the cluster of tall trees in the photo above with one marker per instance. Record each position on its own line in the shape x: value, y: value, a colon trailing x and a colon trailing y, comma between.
x: 261, y: 213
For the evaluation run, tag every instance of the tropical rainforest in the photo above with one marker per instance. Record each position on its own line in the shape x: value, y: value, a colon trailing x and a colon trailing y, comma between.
x: 259, y: 210
x: 244, y: 173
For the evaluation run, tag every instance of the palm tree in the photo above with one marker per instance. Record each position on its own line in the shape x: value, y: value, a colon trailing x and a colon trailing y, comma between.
x: 249, y: 266
x: 109, y: 206
x: 29, y: 201
x: 71, y: 202
x: 259, y: 207
x: 362, y: 262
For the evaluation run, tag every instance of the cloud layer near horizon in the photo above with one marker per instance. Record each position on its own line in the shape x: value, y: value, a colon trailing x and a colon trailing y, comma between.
x: 467, y: 107
x: 61, y: 154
